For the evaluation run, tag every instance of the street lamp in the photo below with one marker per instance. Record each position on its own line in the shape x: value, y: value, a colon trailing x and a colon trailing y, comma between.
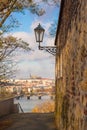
x: 39, y: 34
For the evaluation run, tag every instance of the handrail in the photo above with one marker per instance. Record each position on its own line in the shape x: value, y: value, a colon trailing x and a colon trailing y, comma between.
x: 20, y: 108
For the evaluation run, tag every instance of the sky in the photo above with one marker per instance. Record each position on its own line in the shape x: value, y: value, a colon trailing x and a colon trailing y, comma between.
x: 35, y: 62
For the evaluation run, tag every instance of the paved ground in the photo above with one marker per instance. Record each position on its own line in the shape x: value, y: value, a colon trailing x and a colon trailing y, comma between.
x: 28, y: 121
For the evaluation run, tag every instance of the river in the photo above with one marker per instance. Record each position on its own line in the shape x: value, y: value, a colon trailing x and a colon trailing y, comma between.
x: 28, y: 104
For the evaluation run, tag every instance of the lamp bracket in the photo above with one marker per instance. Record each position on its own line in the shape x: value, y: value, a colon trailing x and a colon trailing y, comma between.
x: 51, y: 49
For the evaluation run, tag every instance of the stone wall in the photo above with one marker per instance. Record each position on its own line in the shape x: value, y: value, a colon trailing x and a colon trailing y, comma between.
x: 8, y: 107
x: 71, y: 66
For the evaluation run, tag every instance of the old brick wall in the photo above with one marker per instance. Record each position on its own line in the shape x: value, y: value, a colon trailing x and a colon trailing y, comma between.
x: 71, y: 72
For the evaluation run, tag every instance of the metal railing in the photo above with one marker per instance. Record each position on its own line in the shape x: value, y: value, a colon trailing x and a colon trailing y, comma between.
x: 20, y: 108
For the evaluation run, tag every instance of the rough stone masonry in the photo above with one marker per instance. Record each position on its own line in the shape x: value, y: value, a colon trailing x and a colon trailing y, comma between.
x: 71, y: 66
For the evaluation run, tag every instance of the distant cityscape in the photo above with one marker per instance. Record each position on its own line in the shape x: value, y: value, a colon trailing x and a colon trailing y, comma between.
x: 32, y: 85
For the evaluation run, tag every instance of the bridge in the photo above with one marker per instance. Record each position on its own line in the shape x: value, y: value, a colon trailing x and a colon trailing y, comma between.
x: 39, y: 95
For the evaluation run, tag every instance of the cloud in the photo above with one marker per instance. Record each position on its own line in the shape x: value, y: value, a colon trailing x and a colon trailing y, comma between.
x: 34, y: 62
x: 43, y: 24
x: 41, y: 68
x: 30, y: 38
x: 31, y: 55
x: 27, y: 37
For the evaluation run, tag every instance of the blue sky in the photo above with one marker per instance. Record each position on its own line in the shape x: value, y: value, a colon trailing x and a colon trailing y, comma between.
x: 35, y: 62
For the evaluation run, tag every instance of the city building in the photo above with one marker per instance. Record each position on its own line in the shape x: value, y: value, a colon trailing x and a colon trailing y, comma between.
x: 35, y: 84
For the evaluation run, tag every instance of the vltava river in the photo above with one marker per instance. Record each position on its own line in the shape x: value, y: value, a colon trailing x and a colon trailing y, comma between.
x: 28, y: 104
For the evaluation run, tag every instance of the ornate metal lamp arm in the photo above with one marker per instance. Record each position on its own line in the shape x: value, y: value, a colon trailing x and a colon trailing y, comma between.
x: 51, y: 49
x: 39, y: 33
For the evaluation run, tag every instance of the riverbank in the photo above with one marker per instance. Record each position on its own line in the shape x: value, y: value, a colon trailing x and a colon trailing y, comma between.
x: 29, y: 104
x: 28, y: 121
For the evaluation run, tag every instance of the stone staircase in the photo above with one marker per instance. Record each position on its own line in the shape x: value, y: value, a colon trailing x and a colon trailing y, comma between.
x: 28, y: 121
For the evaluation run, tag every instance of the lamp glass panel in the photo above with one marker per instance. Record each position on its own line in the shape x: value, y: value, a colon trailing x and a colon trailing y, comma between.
x: 41, y: 36
x: 37, y: 36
